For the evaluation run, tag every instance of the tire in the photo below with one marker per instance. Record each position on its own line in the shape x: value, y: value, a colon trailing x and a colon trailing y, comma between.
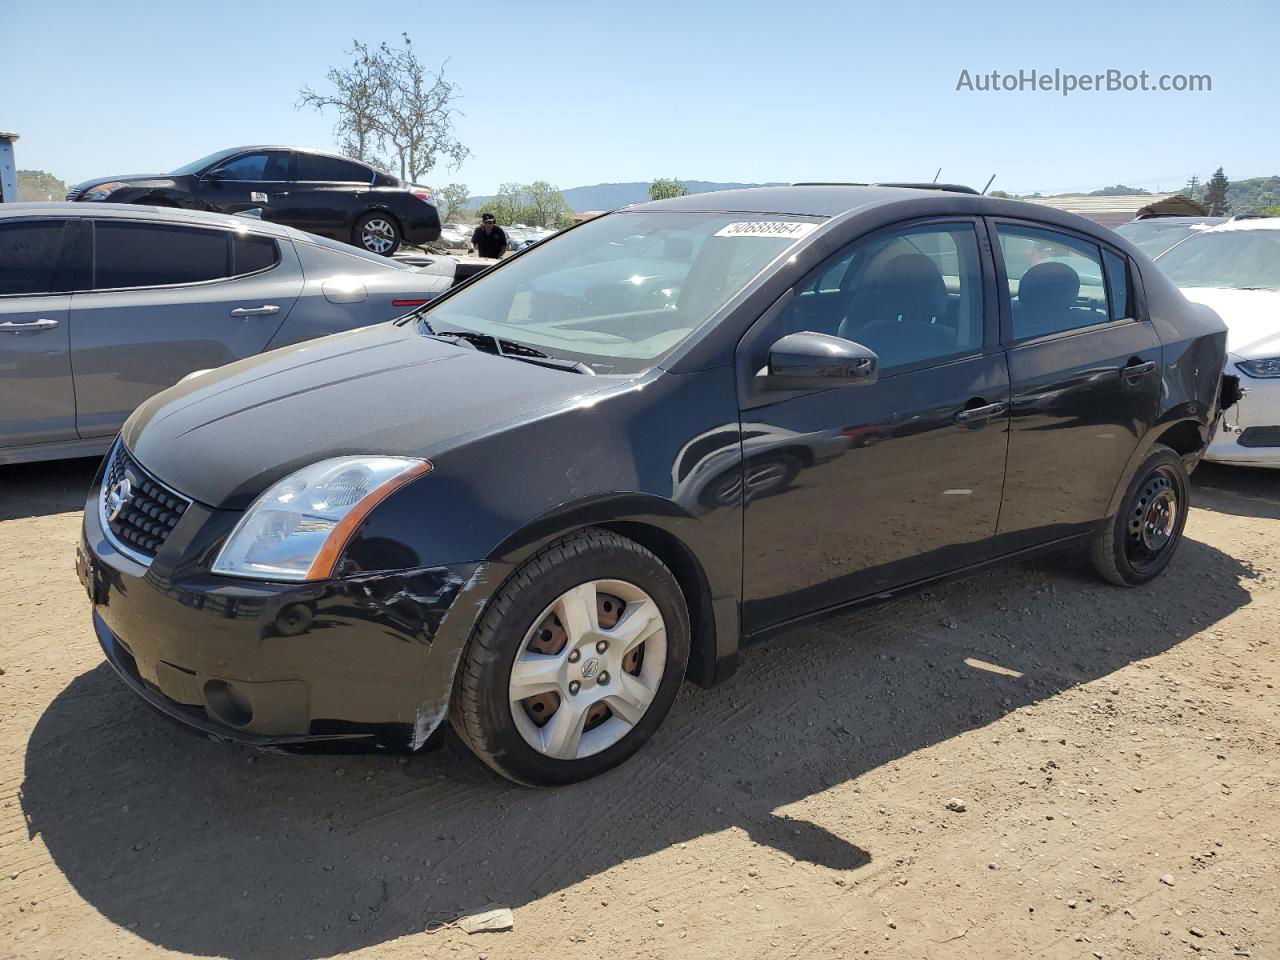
x: 516, y: 736
x: 1134, y: 546
x: 377, y: 232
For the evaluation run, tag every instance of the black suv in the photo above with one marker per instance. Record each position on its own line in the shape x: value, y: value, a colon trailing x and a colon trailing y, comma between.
x: 318, y: 192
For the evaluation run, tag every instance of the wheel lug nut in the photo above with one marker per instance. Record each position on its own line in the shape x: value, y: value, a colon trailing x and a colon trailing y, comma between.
x: 575, y: 686
x: 602, y: 646
x: 604, y: 677
x: 574, y: 656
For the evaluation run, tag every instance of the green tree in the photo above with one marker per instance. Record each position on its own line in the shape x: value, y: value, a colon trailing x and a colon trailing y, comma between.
x: 453, y: 200
x: 507, y: 205
x: 998, y: 194
x: 544, y: 203
x: 1215, y: 194
x: 662, y: 189
x: 1270, y: 211
x: 389, y: 104
x: 38, y: 185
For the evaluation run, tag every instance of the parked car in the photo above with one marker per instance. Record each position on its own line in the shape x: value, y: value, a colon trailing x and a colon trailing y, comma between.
x: 1235, y: 269
x: 321, y: 193
x: 1154, y: 235
x: 496, y: 512
x: 102, y: 305
x: 454, y: 236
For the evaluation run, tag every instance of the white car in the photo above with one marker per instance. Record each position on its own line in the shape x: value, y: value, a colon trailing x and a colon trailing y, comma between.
x: 1235, y: 269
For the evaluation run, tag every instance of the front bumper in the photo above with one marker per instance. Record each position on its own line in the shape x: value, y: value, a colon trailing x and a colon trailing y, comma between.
x: 1250, y: 431
x: 366, y: 658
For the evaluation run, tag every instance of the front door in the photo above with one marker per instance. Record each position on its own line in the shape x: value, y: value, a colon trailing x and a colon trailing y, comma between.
x: 855, y: 490
x: 1086, y: 373
x: 240, y: 183
x: 169, y: 300
x: 37, y: 400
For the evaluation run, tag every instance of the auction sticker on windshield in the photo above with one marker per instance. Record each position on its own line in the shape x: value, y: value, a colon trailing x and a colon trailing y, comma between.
x: 786, y: 229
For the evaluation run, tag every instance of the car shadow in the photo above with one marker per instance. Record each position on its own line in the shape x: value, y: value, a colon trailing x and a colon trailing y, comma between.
x: 212, y: 849
x: 1239, y: 491
x: 40, y: 489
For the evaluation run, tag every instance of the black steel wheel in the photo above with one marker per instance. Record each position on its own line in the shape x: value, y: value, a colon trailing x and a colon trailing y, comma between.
x: 1136, y: 545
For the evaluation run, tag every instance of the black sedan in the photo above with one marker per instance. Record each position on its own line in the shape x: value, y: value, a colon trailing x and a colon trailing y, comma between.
x: 317, y: 192
x: 537, y: 505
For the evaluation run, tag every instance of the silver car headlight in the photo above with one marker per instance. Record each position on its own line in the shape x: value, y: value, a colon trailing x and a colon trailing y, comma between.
x: 1266, y: 367
x: 299, y: 527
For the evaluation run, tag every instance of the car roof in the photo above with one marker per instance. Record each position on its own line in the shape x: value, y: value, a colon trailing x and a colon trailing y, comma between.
x: 1249, y: 223
x: 132, y: 211
x: 1177, y: 221
x: 832, y: 201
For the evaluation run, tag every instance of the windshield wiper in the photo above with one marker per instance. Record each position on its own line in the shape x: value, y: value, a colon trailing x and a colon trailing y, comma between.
x: 510, y: 348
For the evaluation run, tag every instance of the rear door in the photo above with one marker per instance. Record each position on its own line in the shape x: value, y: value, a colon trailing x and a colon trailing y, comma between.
x: 168, y: 299
x: 1085, y: 368
x: 37, y: 399
x: 327, y: 195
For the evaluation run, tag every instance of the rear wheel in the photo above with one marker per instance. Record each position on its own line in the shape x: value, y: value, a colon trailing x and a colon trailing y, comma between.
x: 377, y: 232
x: 575, y: 663
x: 1137, y: 544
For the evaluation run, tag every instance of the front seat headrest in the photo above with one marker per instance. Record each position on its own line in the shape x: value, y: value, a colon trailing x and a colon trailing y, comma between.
x: 1049, y: 285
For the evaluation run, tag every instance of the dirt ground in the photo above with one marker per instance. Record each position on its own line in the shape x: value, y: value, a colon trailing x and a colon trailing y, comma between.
x: 1116, y: 754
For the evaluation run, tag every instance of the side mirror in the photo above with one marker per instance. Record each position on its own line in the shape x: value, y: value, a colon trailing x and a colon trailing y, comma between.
x: 814, y: 361
x: 213, y: 176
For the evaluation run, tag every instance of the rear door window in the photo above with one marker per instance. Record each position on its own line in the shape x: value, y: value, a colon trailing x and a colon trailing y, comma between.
x: 1055, y: 281
x: 134, y: 254
x: 253, y: 254
x: 318, y: 169
x: 29, y: 255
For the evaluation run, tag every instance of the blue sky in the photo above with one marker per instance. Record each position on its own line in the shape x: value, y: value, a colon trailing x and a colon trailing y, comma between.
x: 581, y: 92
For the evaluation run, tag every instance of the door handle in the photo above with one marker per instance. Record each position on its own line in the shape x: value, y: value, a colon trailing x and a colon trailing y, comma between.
x: 988, y: 412
x: 1136, y: 371
x: 30, y: 326
x: 283, y: 193
x: 266, y: 310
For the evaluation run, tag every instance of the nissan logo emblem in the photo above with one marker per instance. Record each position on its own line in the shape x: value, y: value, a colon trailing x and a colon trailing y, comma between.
x: 118, y: 496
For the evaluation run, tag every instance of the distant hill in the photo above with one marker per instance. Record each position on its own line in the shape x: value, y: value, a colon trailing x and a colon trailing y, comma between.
x: 610, y: 196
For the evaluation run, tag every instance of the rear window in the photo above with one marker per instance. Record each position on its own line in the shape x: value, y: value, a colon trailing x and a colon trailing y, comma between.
x: 331, y: 169
x: 1236, y: 259
x: 157, y: 254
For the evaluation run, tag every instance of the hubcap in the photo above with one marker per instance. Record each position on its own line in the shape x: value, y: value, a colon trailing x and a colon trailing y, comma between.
x: 1153, y: 519
x: 588, y: 669
x: 378, y: 236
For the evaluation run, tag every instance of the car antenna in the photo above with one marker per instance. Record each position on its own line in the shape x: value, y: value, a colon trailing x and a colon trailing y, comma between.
x: 988, y: 186
x: 937, y: 175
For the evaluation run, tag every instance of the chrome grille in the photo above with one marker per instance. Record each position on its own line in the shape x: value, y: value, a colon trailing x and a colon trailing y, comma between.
x: 137, y: 511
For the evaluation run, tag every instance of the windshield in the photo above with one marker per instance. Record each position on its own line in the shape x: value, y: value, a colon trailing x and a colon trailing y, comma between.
x: 1239, y: 259
x: 622, y: 291
x: 198, y: 165
x: 1153, y: 237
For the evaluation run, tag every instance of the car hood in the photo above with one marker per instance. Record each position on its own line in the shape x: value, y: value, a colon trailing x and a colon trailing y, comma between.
x: 123, y: 178
x: 224, y: 436
x: 1252, y: 318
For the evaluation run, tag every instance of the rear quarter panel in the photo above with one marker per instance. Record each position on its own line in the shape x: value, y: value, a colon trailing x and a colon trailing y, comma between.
x: 315, y: 315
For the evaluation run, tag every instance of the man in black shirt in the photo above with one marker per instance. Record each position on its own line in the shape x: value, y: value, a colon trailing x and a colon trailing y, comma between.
x: 489, y: 239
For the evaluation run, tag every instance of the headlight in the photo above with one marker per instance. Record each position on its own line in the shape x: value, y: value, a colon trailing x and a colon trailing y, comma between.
x: 101, y: 191
x: 300, y: 526
x: 1270, y: 367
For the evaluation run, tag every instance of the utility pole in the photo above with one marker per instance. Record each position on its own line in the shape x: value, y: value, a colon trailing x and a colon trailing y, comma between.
x: 8, y: 169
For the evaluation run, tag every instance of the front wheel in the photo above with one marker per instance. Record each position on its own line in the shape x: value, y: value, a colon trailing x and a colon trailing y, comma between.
x: 377, y: 232
x: 1135, y: 545
x: 575, y: 663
